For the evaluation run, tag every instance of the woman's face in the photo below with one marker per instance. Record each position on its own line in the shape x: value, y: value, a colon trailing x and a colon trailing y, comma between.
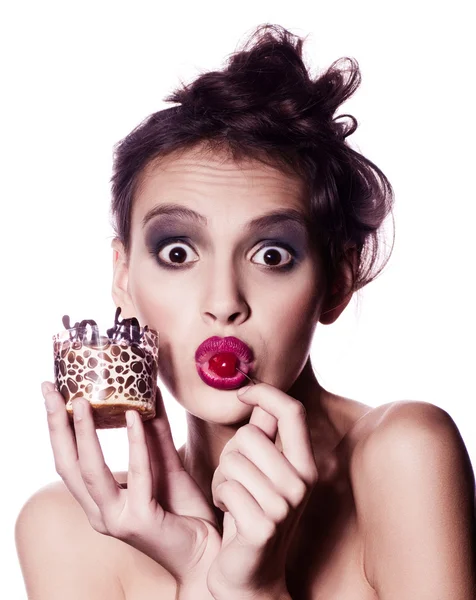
x: 208, y: 260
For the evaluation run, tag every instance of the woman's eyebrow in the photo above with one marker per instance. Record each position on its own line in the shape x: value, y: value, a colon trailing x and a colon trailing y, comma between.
x: 276, y: 217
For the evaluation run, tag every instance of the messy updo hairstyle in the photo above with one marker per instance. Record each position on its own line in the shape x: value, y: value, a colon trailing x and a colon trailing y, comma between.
x: 264, y: 105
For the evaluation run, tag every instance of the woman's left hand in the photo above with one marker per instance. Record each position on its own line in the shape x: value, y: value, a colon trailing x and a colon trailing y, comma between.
x: 263, y: 492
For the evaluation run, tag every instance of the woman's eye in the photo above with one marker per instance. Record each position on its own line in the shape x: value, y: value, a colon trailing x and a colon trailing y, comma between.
x: 176, y: 253
x: 274, y: 256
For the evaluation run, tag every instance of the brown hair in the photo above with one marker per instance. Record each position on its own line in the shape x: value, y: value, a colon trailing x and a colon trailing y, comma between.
x: 263, y: 104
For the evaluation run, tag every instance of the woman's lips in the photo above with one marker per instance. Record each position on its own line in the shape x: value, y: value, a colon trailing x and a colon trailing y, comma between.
x: 213, y: 346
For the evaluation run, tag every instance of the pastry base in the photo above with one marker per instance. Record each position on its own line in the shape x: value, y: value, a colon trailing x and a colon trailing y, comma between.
x: 113, y: 415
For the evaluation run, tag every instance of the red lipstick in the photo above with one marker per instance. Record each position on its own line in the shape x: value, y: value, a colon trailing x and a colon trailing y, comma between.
x: 222, y: 376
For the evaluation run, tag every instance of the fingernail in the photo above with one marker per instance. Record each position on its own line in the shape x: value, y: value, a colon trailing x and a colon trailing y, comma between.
x: 243, y: 390
x: 46, y: 387
x: 78, y: 409
x: 50, y: 403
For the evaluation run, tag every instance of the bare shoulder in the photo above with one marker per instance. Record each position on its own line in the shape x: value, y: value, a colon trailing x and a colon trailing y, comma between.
x: 395, y: 425
x: 120, y: 566
x: 60, y: 555
x: 414, y: 488
x: 405, y: 431
x: 371, y: 426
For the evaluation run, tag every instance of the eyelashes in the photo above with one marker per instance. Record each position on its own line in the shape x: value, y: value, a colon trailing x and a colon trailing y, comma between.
x: 275, y: 250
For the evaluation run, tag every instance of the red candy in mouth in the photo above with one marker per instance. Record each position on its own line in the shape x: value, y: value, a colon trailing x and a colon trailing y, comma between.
x: 223, y: 364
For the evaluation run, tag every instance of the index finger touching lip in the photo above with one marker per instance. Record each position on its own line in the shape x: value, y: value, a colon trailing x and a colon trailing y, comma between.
x: 291, y: 420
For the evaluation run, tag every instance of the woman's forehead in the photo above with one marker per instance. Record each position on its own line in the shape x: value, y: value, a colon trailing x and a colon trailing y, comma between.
x: 206, y: 179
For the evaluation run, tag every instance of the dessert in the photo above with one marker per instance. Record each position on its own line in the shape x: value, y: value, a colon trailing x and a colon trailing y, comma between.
x: 114, y: 372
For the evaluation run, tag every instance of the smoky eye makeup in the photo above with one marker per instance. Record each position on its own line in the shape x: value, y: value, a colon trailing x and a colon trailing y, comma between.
x: 171, y: 229
x: 289, y: 236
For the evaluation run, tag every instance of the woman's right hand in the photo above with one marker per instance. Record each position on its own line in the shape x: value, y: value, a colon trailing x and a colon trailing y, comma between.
x: 163, y: 513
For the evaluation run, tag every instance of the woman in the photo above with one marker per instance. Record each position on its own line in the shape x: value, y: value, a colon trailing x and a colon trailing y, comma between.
x: 243, y: 215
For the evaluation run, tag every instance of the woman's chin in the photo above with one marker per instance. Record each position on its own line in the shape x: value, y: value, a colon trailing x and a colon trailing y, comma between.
x: 214, y: 406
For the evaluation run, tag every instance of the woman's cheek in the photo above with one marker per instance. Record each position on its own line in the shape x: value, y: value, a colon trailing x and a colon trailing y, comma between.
x: 155, y: 299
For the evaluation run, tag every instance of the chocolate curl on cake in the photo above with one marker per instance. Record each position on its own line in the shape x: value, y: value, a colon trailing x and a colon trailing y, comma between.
x: 79, y: 331
x: 135, y: 331
x: 66, y: 322
x: 119, y: 330
x: 94, y: 332
x: 127, y: 329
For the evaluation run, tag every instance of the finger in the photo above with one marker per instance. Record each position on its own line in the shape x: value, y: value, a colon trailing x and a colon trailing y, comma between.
x: 292, y: 426
x: 65, y: 453
x: 164, y: 455
x: 259, y: 451
x: 252, y: 526
x: 97, y: 477
x: 164, y: 458
x: 237, y: 467
x: 259, y: 417
x: 173, y: 487
x: 139, y: 475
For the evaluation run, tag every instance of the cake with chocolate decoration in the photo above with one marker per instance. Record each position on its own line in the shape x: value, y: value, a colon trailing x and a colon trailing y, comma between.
x: 114, y: 372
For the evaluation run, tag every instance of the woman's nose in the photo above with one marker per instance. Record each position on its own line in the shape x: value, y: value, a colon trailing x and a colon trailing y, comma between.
x: 223, y: 298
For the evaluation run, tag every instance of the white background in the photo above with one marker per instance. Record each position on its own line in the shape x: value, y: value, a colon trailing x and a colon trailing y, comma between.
x: 77, y: 77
